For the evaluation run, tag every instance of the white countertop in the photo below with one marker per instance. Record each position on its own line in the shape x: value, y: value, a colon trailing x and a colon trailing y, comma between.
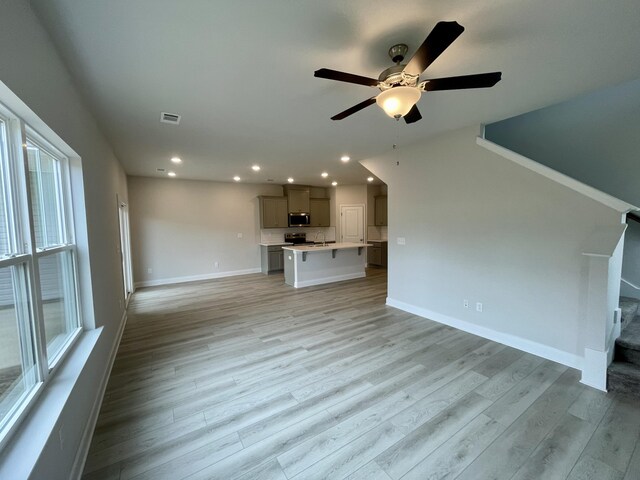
x: 274, y: 244
x: 328, y: 246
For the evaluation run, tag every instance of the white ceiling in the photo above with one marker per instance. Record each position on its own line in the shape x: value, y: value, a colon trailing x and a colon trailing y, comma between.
x: 241, y: 74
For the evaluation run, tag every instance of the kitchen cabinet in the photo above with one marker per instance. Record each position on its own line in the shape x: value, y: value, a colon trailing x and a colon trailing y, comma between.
x: 272, y: 258
x: 298, y: 200
x: 273, y: 212
x: 380, y: 210
x: 319, y: 212
x: 377, y: 255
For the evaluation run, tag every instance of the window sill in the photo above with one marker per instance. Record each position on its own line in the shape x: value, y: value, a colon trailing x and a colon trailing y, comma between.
x: 28, y: 439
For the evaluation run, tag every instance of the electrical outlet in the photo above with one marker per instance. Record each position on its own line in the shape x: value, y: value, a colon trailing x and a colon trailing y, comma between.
x: 239, y: 235
x: 465, y: 303
x: 216, y: 264
x: 478, y: 307
x: 402, y: 241
x: 149, y: 270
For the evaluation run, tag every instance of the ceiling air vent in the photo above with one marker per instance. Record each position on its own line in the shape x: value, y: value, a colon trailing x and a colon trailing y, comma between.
x: 171, y: 118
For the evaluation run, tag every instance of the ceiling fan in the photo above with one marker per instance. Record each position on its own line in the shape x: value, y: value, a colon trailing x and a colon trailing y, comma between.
x: 400, y: 85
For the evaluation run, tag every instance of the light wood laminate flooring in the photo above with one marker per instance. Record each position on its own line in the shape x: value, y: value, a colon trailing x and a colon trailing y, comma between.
x: 247, y: 378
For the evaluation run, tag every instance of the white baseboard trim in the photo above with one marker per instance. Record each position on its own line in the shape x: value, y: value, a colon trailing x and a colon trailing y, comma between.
x: 336, y: 278
x: 85, y: 442
x: 535, y: 348
x: 195, y: 278
x: 594, y: 373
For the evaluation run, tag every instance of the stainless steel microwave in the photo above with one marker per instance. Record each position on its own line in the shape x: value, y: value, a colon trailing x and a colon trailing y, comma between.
x: 299, y: 220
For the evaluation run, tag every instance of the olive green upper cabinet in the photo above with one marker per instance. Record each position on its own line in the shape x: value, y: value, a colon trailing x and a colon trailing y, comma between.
x: 273, y: 212
x: 381, y: 210
x: 298, y: 200
x: 319, y: 212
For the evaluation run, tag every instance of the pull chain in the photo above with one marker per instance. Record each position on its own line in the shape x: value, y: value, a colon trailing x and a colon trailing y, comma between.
x: 395, y: 145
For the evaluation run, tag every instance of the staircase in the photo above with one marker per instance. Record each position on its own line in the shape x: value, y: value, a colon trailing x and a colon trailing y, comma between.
x: 624, y: 372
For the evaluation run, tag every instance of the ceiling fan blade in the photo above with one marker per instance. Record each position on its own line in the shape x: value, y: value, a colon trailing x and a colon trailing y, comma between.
x: 442, y: 35
x: 413, y: 115
x: 345, y: 77
x: 479, y: 80
x: 354, y: 109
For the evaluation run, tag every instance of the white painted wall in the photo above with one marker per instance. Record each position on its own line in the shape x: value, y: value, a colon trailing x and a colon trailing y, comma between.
x: 180, y: 228
x: 32, y: 69
x: 482, y: 228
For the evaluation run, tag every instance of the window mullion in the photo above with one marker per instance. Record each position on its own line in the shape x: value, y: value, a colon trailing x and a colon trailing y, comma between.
x: 20, y: 276
x: 43, y: 213
x: 62, y: 230
x: 19, y: 231
x: 29, y: 241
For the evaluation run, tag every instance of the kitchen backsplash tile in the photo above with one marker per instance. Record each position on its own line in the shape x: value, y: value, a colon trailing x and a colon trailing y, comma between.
x: 377, y: 233
x: 273, y: 235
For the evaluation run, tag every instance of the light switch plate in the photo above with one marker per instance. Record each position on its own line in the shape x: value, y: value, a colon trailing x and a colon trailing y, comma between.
x: 401, y: 241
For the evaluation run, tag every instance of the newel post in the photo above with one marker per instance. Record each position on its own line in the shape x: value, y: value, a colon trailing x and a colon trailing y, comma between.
x: 603, y: 279
x: 594, y: 369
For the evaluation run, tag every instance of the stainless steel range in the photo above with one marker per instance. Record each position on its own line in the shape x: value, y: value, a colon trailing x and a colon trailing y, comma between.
x: 296, y: 238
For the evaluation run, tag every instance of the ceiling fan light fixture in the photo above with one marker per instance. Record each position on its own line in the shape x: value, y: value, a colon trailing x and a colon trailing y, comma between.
x: 397, y: 101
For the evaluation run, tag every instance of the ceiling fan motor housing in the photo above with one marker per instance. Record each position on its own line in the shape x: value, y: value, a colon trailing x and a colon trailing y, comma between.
x: 398, y: 52
x: 394, y: 76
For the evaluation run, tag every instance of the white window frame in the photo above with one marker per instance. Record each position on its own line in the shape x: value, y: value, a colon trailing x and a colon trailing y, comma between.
x: 21, y: 235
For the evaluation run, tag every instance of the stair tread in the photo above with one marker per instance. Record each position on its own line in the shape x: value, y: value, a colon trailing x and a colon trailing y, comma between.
x: 623, y: 377
x: 629, y: 307
x: 629, y: 301
x: 630, y: 336
x: 625, y: 368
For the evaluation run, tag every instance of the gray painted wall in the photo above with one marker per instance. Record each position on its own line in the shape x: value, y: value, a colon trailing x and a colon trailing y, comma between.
x: 180, y: 228
x: 593, y: 138
x: 32, y: 69
x: 482, y: 228
x: 631, y: 264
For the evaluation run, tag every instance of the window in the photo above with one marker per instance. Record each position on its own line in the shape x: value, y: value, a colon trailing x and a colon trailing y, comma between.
x: 39, y: 314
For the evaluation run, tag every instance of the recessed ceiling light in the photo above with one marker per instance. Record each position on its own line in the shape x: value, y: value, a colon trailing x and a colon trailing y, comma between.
x: 171, y: 174
x: 334, y: 183
x: 176, y: 160
x: 236, y: 178
x: 290, y: 180
x: 324, y: 174
x: 345, y: 158
x: 370, y: 179
x: 256, y: 168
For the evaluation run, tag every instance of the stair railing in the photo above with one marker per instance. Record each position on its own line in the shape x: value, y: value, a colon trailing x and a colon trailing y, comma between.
x: 632, y: 285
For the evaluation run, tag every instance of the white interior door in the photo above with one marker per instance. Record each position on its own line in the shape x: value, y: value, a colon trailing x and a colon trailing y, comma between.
x: 125, y: 249
x: 352, y: 223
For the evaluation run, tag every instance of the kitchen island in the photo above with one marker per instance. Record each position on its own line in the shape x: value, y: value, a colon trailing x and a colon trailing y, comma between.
x: 308, y: 265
